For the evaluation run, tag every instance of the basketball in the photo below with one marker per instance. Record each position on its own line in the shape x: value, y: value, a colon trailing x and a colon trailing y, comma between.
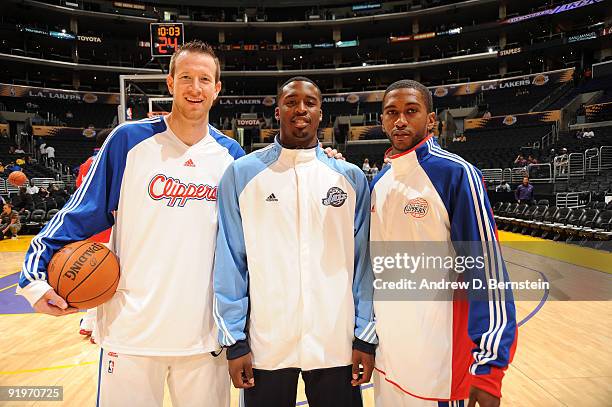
x: 17, y: 178
x: 85, y: 274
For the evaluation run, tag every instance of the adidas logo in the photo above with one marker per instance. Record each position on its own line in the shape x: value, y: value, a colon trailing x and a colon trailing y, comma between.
x: 189, y: 163
x: 271, y: 198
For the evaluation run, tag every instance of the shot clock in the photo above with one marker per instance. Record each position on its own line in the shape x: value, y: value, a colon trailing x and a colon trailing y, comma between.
x: 166, y: 38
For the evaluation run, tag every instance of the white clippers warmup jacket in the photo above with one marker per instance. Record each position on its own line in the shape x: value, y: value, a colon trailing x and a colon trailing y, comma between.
x: 164, y: 234
x: 437, y: 349
x: 292, y: 271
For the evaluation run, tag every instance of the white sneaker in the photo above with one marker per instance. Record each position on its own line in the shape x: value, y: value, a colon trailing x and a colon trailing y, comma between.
x: 14, y: 237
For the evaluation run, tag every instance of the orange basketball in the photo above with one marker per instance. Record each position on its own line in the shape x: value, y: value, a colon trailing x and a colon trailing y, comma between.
x: 85, y: 274
x: 17, y: 178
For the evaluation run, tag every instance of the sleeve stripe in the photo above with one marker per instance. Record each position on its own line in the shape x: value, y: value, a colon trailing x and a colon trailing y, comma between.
x: 489, y: 343
x: 486, y: 346
x: 228, y: 339
x: 31, y: 262
x: 367, y: 332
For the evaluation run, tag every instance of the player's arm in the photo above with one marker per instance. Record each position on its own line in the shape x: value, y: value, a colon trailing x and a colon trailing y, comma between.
x: 87, y: 212
x: 231, y: 300
x: 492, y: 316
x: 364, y: 344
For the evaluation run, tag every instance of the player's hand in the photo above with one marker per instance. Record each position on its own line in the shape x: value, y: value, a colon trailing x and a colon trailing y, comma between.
x: 367, y: 361
x: 483, y: 398
x: 53, y: 304
x: 332, y: 153
x: 241, y: 372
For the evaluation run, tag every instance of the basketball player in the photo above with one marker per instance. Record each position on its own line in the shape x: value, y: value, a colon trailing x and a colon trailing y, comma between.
x: 293, y: 280
x: 436, y: 352
x: 87, y: 324
x: 160, y: 175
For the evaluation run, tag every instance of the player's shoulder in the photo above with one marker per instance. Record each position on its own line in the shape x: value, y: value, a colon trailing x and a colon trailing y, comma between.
x: 349, y: 170
x: 259, y: 159
x: 232, y: 146
x: 138, y: 129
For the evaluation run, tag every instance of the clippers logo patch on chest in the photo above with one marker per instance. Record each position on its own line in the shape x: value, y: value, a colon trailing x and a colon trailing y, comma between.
x: 335, y: 197
x: 417, y: 207
x: 176, y: 192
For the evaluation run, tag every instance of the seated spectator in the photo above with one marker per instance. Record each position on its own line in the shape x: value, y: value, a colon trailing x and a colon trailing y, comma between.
x: 20, y: 162
x: 366, y: 166
x: 524, y: 192
x: 11, y: 167
x: 50, y: 150
x: 486, y: 115
x: 9, y: 222
x: 59, y: 195
x: 19, y: 150
x: 1, y: 168
x: 519, y: 161
x: 531, y: 160
x: 31, y: 188
x: 579, y: 134
x: 588, y: 134
x: 374, y: 170
x: 503, y: 187
x: 23, y: 201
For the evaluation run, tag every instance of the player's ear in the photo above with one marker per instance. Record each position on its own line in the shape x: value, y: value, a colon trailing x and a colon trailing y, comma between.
x: 217, y: 89
x: 170, y: 84
x: 431, y: 121
x: 277, y: 113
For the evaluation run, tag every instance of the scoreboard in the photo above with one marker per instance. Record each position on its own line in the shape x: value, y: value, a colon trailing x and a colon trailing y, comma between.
x: 166, y: 38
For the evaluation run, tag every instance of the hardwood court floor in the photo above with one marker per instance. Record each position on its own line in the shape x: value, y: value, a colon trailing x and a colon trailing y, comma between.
x: 562, y: 359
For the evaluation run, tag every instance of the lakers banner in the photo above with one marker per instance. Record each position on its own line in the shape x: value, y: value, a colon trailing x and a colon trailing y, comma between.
x: 56, y: 131
x: 599, y: 112
x: 18, y: 91
x: 541, y: 79
x: 513, y: 120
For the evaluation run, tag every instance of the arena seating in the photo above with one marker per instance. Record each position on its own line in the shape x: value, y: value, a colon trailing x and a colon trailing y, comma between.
x: 497, y: 148
x: 590, y: 225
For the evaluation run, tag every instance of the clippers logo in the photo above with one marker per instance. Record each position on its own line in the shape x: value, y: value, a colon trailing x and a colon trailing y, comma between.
x: 417, y: 207
x: 335, y: 197
x: 162, y: 187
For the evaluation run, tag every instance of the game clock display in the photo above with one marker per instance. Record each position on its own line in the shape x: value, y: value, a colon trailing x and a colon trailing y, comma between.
x: 166, y: 38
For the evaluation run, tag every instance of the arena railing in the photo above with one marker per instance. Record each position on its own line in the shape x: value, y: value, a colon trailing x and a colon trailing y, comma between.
x: 591, y: 160
x: 572, y: 199
x: 507, y: 174
x: 494, y: 175
x: 42, y: 182
x: 576, y: 165
x: 540, y: 173
x: 517, y: 175
x: 605, y: 157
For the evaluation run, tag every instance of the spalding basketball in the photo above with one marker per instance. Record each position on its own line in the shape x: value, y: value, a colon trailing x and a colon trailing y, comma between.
x: 85, y: 274
x: 17, y: 178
